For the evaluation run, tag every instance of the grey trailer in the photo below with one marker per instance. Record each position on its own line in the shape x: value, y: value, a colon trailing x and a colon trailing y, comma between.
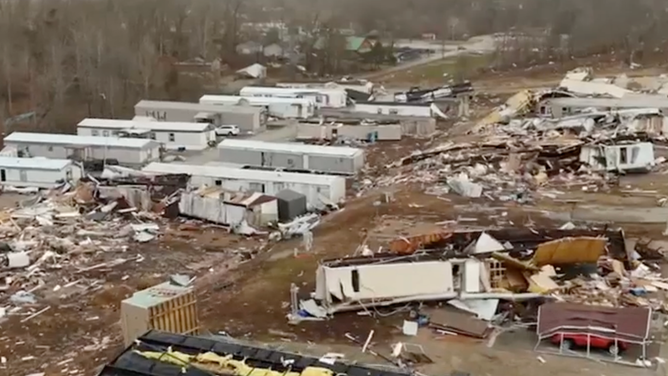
x: 292, y: 156
x: 290, y: 205
x: 248, y: 119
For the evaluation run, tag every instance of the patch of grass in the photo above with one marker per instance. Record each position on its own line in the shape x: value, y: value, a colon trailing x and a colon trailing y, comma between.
x: 459, y: 67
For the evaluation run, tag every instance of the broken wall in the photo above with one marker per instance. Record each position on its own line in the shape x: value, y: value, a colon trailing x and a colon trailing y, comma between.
x: 211, y: 209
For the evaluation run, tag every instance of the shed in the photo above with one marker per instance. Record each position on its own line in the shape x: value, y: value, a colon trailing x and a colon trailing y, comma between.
x: 37, y: 172
x: 165, y: 306
x: 230, y: 208
x: 292, y: 156
x: 298, y: 108
x: 250, y: 119
x: 290, y: 205
x: 628, y: 324
x: 127, y: 151
x: 318, y: 189
x: 174, y: 135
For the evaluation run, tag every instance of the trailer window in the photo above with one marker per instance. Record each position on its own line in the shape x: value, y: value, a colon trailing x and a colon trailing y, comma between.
x: 105, y: 133
x: 171, y: 137
x: 95, y: 132
x: 623, y: 156
x: 152, y: 135
x: 355, y: 279
x: 218, y: 183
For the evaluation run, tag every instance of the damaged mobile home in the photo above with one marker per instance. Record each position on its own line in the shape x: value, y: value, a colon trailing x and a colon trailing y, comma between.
x: 320, y: 190
x: 460, y: 265
x: 229, y: 208
x: 635, y: 157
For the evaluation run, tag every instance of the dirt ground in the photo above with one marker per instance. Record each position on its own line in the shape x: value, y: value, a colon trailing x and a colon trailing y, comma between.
x: 243, y: 284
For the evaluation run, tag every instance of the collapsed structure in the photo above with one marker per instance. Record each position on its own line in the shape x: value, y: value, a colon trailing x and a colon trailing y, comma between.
x: 462, y: 265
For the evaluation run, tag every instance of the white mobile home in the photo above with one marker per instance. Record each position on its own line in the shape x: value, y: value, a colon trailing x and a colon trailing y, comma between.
x: 249, y: 119
x: 318, y: 189
x: 342, y: 286
x: 37, y: 172
x: 127, y: 151
x: 293, y: 156
x: 285, y: 108
x: 394, y: 108
x: 333, y: 98
x: 174, y: 135
x: 638, y: 157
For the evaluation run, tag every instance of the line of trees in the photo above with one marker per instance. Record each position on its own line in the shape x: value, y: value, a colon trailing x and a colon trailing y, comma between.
x: 67, y: 59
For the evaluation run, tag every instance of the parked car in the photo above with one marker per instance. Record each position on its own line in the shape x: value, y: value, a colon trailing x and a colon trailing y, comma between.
x: 568, y: 341
x: 227, y: 130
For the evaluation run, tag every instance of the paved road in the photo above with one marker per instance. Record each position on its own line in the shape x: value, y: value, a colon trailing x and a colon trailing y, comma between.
x: 479, y: 44
x: 283, y: 134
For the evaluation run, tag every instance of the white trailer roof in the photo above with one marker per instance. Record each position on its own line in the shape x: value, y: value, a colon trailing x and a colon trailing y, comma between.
x: 293, y: 147
x: 213, y: 108
x: 69, y: 139
x: 167, y: 126
x: 34, y: 163
x: 241, y: 174
x: 234, y: 99
x: 286, y: 90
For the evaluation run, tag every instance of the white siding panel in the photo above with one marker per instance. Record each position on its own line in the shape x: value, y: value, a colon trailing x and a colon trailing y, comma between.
x: 391, y: 280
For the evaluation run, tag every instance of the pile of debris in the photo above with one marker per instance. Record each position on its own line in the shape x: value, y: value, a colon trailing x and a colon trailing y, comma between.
x: 53, y: 241
x: 503, y: 169
x: 584, y: 133
x: 494, y: 277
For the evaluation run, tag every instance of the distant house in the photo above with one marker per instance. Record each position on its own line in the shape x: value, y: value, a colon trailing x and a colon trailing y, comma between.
x: 353, y: 44
x: 273, y: 50
x: 249, y: 48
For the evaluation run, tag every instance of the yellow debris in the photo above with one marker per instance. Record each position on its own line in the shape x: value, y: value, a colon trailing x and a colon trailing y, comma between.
x: 225, y: 364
